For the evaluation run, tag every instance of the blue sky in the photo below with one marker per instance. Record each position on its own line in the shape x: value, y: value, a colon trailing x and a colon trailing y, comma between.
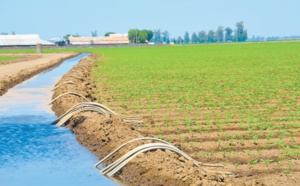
x: 56, y: 18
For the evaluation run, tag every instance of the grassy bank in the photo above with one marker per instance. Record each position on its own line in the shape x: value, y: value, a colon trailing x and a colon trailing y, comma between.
x: 8, y: 58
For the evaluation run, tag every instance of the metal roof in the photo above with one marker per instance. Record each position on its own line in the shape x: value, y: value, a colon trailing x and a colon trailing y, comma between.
x: 22, y: 40
x: 111, y: 39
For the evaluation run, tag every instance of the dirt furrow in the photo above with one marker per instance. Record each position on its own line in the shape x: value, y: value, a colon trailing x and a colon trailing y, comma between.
x: 236, y: 145
x: 244, y: 156
x: 167, y: 128
x: 230, y: 135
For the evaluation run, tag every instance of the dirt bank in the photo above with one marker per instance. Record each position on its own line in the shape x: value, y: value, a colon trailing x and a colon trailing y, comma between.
x: 16, y: 72
x: 102, y: 134
x: 22, y: 58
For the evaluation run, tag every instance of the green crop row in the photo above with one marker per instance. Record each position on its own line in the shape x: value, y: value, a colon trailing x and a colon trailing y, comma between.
x: 254, y: 82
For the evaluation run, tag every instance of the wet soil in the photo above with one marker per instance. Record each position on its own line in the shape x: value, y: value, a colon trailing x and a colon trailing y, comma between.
x: 23, y: 70
x: 102, y: 134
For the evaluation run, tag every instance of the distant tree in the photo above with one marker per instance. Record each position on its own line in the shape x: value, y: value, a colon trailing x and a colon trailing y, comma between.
x: 179, y: 40
x: 244, y: 35
x: 133, y: 35
x: 211, y: 36
x: 4, y: 33
x: 228, y: 34
x: 257, y: 38
x: 241, y: 34
x: 261, y: 38
x: 202, y: 36
x: 166, y: 36
x: 173, y: 40
x: 220, y: 34
x: 157, y: 36
x: 234, y: 38
x: 142, y: 36
x: 13, y: 33
x: 66, y: 36
x: 149, y: 34
x: 194, y: 38
x: 187, y: 38
x: 108, y: 33
x: 76, y: 35
x: 66, y: 39
x: 94, y: 33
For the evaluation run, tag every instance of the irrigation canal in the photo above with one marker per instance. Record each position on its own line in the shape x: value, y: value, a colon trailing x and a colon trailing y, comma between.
x: 33, y: 152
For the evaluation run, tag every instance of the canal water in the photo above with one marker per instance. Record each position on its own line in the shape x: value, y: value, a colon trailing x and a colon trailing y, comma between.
x: 33, y: 152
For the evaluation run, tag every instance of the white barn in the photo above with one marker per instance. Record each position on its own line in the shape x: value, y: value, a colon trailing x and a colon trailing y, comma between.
x: 22, y: 40
x: 112, y: 39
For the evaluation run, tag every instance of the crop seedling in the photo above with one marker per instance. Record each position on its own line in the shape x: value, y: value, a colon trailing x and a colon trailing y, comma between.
x: 253, y: 162
x: 236, y: 165
x: 290, y: 164
x: 287, y: 171
x: 248, y: 152
x: 266, y: 161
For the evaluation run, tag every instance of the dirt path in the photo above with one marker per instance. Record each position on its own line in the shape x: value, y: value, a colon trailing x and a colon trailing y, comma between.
x: 14, y: 73
x: 21, y: 58
x: 14, y: 68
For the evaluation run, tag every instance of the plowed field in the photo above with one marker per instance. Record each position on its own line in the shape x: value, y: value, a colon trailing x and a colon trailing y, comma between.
x: 237, y: 104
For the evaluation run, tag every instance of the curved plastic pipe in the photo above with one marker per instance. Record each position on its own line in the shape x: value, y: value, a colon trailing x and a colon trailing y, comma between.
x: 71, y: 114
x: 91, y: 106
x: 117, y: 149
x: 73, y: 93
x: 121, y: 162
x: 65, y: 82
x: 74, y: 77
x: 111, y: 169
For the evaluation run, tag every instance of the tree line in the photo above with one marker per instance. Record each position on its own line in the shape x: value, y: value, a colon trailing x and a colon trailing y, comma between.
x: 140, y: 36
x: 273, y: 38
x: 220, y: 35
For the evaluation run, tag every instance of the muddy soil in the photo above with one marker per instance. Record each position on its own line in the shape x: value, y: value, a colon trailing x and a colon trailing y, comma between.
x: 19, y: 71
x: 102, y: 134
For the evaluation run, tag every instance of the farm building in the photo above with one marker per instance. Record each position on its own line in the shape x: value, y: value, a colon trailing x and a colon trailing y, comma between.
x: 109, y: 40
x: 22, y: 40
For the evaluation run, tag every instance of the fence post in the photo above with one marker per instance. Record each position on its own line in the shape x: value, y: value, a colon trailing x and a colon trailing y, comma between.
x: 38, y: 48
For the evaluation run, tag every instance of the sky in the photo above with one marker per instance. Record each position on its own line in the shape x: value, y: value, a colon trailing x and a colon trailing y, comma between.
x: 56, y: 18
